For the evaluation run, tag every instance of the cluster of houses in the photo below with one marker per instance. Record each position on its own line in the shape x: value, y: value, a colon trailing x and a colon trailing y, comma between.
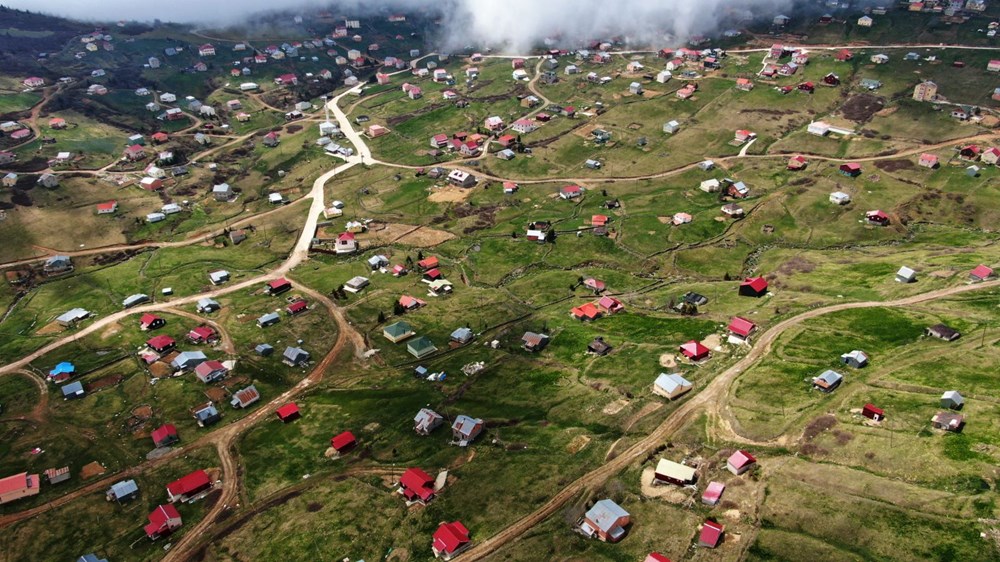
x: 605, y: 305
x: 609, y: 522
x: 400, y: 331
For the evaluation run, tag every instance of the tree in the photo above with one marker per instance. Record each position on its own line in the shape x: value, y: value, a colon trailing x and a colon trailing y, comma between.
x: 420, y: 255
x: 398, y: 309
x: 381, y: 317
x: 409, y: 261
x: 550, y: 236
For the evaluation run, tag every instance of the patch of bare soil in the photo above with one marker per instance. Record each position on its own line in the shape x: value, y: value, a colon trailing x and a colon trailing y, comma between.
x: 668, y: 360
x: 615, y: 407
x: 49, y: 329
x: 713, y: 342
x: 111, y: 330
x: 887, y: 111
x: 894, y: 165
x: 817, y: 426
x: 578, y: 444
x: 449, y: 194
x: 91, y: 469
x: 216, y: 394
x: 144, y: 412
x: 862, y: 107
x: 670, y: 493
x: 586, y: 130
x: 425, y: 237
x: 665, y: 220
x: 159, y: 369
x: 110, y: 380
x: 795, y: 265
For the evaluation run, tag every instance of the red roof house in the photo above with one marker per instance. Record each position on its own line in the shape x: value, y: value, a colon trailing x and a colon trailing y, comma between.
x: 713, y: 493
x: 428, y: 263
x: 107, y: 207
x: 416, y: 485
x: 980, y: 273
x: 851, y: 169
x: 599, y: 220
x: 871, y: 412
x: 593, y: 284
x: 151, y: 322
x: 160, y: 137
x: 741, y: 327
x: 449, y: 540
x: 753, y: 287
x: 202, y: 334
x: 163, y: 521
x: 711, y: 534
x: 610, y: 305
x: 18, y: 486
x: 288, y: 412
x: 587, y: 311
x: 797, y: 162
x: 740, y: 462
x: 297, y: 307
x: 877, y: 217
x: 187, y: 487
x: 165, y: 435
x: 343, y: 442
x: 432, y: 274
x: 656, y: 557
x: 161, y: 343
x: 694, y: 350
x: 278, y: 286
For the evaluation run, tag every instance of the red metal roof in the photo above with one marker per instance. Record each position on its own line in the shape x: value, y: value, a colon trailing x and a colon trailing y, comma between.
x: 429, y: 262
x: 433, y: 273
x: 874, y: 410
x: 982, y: 272
x: 343, y: 441
x: 202, y: 333
x: 287, y: 411
x: 713, y: 492
x: 160, y: 342
x: 610, y: 303
x: 279, y: 283
x: 164, y: 431
x: 656, y: 557
x: 741, y: 458
x: 741, y: 326
x: 711, y: 534
x: 160, y: 518
x: 147, y: 319
x: 109, y: 206
x: 852, y: 166
x: 17, y: 482
x: 694, y: 350
x: 758, y: 284
x: 588, y: 311
x: 449, y: 537
x: 196, y: 481
x: 417, y: 483
x: 297, y: 306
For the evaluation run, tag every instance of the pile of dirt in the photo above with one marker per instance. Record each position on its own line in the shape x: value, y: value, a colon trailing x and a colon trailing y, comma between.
x: 862, y: 107
x: 110, y: 380
x: 818, y: 425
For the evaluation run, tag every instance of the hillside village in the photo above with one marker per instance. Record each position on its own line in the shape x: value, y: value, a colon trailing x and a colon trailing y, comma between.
x: 723, y: 299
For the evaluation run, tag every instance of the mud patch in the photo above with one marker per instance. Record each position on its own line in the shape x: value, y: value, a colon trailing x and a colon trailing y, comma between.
x: 862, y: 107
x: 894, y: 165
x: 111, y: 330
